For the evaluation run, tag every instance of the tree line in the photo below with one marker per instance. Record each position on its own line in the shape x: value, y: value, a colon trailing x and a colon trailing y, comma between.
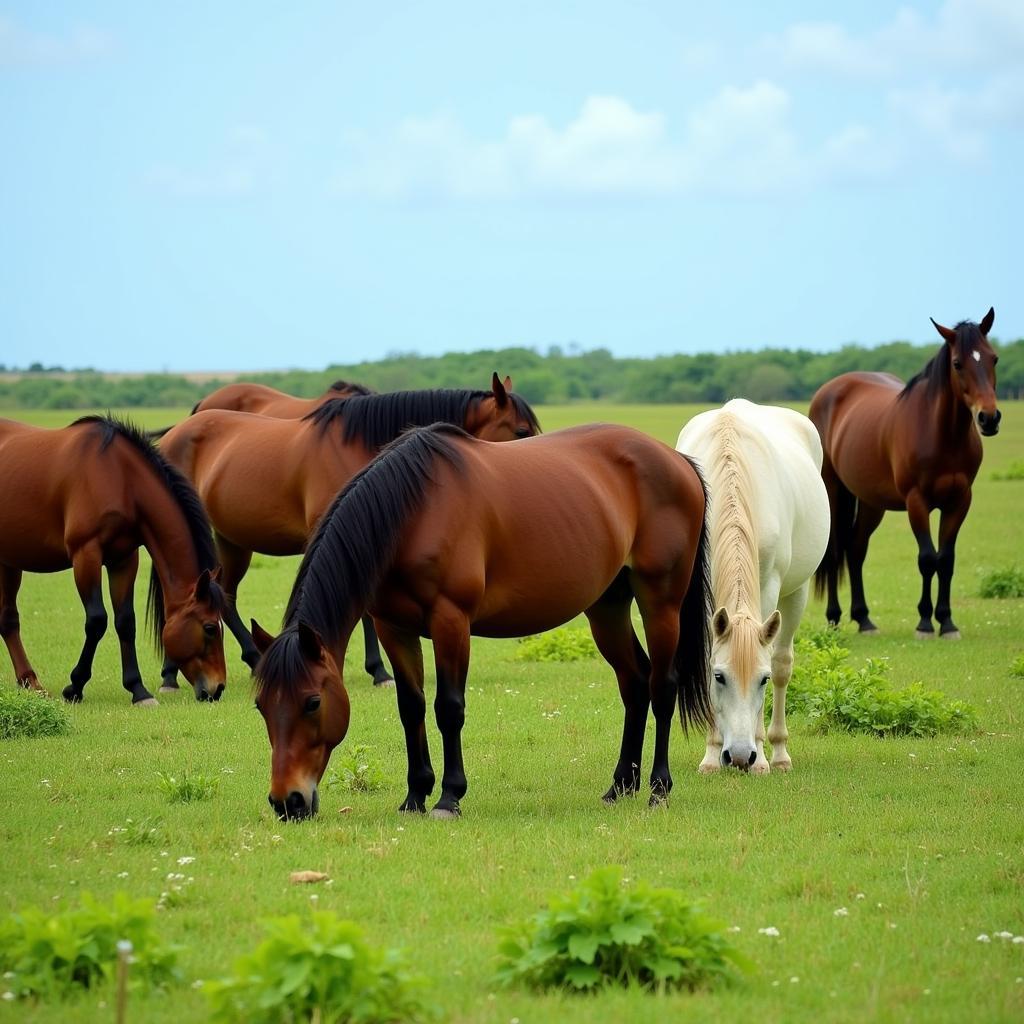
x: 543, y: 378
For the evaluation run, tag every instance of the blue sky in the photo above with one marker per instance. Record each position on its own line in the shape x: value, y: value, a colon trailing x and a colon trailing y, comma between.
x: 246, y: 186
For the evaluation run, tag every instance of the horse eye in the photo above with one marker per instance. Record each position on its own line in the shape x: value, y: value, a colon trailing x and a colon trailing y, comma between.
x: 720, y: 678
x: 957, y: 365
x: 995, y: 359
x: 764, y: 681
x: 523, y: 432
x: 312, y: 704
x: 210, y: 628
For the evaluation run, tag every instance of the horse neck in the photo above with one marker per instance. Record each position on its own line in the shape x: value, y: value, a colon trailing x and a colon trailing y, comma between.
x: 167, y: 538
x: 947, y: 414
x: 735, y: 575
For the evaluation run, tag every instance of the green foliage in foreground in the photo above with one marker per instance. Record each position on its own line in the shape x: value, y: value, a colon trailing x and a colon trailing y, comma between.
x: 568, y: 644
x: 29, y: 713
x: 1017, y: 668
x: 1014, y: 471
x: 355, y: 770
x: 187, y: 789
x: 835, y: 696
x: 1003, y: 583
x: 319, y: 969
x: 607, y: 933
x: 56, y: 956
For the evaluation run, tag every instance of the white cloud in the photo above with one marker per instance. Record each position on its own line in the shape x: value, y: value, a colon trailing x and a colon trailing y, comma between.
x: 21, y: 47
x: 739, y: 142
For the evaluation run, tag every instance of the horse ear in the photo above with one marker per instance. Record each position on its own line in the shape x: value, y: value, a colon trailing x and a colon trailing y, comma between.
x: 310, y: 643
x: 720, y: 623
x: 946, y: 332
x: 500, y: 394
x: 507, y: 383
x: 770, y: 627
x: 202, y: 587
x: 988, y: 321
x: 260, y: 637
x: 217, y: 574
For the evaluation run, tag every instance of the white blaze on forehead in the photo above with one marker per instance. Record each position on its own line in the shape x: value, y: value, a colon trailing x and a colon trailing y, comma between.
x: 977, y: 356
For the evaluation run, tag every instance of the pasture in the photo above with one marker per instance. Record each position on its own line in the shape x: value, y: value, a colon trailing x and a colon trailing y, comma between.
x: 879, y: 862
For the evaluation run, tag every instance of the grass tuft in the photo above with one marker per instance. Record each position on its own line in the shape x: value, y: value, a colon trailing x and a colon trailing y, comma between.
x: 187, y: 789
x: 567, y: 644
x: 606, y: 933
x: 1015, y: 471
x: 355, y: 770
x: 30, y: 714
x: 1003, y: 583
x: 1017, y: 666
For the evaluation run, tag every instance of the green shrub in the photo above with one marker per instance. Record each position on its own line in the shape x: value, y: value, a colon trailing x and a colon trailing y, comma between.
x: 557, y: 645
x: 54, y: 956
x: 836, y: 696
x: 1017, y: 667
x: 321, y: 969
x: 1015, y: 471
x: 356, y: 771
x: 187, y: 789
x: 30, y: 714
x: 1003, y: 583
x: 606, y: 933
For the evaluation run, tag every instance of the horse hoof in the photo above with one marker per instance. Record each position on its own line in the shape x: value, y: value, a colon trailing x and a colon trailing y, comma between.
x: 707, y: 769
x: 658, y: 800
x: 444, y: 814
x: 71, y: 695
x: 760, y: 768
x: 921, y: 634
x: 782, y: 766
x: 146, y: 702
x: 170, y: 689
x: 868, y: 630
x: 953, y: 634
x: 384, y: 684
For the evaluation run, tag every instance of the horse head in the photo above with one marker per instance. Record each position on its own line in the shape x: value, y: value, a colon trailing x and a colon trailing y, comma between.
x: 193, y: 636
x: 741, y: 660
x: 304, y: 704
x: 501, y: 415
x: 973, y: 370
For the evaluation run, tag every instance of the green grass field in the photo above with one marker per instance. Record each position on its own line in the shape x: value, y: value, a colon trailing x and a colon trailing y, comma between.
x: 921, y: 841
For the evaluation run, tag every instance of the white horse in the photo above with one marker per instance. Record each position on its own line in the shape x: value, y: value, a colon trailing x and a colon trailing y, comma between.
x: 769, y: 528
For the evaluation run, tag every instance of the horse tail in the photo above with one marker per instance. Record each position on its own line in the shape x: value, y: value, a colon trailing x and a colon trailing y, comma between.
x: 357, y: 539
x: 693, y: 655
x: 844, y: 512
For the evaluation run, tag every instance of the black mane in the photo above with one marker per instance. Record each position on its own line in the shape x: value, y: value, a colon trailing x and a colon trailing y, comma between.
x: 185, y: 497
x: 354, y: 545
x: 936, y: 371
x: 351, y: 387
x: 378, y: 419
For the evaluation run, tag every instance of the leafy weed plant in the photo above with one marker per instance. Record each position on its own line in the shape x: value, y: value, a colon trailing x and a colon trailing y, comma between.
x: 1003, y: 583
x: 607, y: 933
x: 319, y: 969
x: 557, y: 645
x: 187, y: 789
x: 356, y: 771
x: 1017, y: 666
x: 836, y: 696
x: 1015, y: 471
x: 138, y: 833
x: 26, y: 713
x: 46, y: 956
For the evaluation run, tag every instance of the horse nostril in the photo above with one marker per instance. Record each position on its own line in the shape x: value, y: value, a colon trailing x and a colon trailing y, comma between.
x: 218, y: 692
x: 726, y: 757
x: 752, y: 758
x: 296, y: 802
x: 996, y: 417
x: 278, y: 807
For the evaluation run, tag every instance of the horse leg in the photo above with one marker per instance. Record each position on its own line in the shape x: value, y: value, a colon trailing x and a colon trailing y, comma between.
x: 10, y: 629
x: 87, y: 566
x: 121, y: 584
x: 865, y: 524
x: 449, y: 629
x: 949, y: 528
x: 612, y: 629
x: 927, y: 560
x: 406, y: 656
x: 235, y: 564
x: 792, y: 608
x: 834, y: 555
x: 374, y: 664
x: 712, y: 752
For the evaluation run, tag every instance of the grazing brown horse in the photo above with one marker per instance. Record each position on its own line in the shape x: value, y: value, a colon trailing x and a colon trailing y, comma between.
x: 266, y: 482
x: 265, y: 401
x: 444, y: 536
x: 88, y: 496
x: 892, y: 446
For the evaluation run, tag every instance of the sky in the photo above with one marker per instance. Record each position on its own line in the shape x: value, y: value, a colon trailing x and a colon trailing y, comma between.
x: 243, y: 186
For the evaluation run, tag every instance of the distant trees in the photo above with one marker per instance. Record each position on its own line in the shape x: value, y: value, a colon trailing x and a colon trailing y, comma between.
x: 766, y: 375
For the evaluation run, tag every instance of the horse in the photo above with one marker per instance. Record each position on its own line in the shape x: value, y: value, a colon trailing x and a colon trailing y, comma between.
x: 266, y: 482
x: 769, y: 522
x: 444, y: 536
x: 87, y: 496
x: 915, y: 446
x: 266, y: 401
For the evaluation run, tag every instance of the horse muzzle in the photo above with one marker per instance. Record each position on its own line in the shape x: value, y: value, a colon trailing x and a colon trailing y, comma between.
x: 295, y: 807
x: 740, y: 756
x: 205, y: 691
x: 988, y: 422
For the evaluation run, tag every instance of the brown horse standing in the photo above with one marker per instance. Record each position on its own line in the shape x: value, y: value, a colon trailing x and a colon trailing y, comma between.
x: 444, y: 536
x: 890, y: 446
x: 266, y: 401
x: 266, y: 482
x: 88, y: 496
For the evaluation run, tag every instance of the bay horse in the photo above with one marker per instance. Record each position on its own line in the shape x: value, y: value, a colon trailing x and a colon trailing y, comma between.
x: 913, y: 446
x: 769, y: 522
x: 266, y: 482
x: 243, y: 396
x: 444, y: 536
x: 88, y: 496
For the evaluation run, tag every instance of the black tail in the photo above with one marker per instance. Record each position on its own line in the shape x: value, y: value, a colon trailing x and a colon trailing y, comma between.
x: 355, y: 543
x: 693, y: 655
x: 844, y: 512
